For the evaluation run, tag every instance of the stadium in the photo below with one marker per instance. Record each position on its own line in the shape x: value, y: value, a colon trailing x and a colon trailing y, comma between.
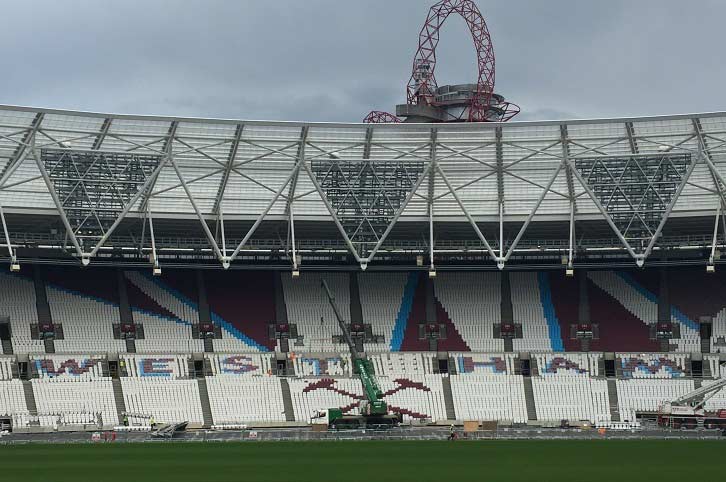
x: 471, y: 277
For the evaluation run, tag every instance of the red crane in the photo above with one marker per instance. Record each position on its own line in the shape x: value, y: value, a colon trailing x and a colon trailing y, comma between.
x: 480, y: 102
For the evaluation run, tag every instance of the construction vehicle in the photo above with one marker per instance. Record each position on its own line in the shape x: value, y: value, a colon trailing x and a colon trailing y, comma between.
x: 372, y: 410
x: 687, y: 411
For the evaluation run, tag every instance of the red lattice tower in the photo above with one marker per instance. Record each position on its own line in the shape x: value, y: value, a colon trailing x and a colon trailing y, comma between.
x: 380, y: 117
x: 422, y: 85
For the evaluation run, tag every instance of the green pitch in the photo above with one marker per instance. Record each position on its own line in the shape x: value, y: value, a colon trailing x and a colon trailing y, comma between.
x: 561, y: 461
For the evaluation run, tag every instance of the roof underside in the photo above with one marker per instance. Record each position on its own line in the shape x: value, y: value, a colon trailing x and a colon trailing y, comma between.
x: 230, y: 174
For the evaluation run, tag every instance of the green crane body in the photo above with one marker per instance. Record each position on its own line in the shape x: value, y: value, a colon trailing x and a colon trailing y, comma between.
x: 373, y: 405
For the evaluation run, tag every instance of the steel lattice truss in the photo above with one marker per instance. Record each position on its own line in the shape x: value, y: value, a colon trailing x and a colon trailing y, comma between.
x: 636, y: 192
x: 367, y: 195
x: 94, y: 187
x: 227, y: 191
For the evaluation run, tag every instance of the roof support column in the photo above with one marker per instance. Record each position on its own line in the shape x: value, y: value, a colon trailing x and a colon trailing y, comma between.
x: 13, y: 258
x: 432, y: 267
x: 21, y: 152
x: 264, y: 213
x: 290, y: 208
x: 564, y: 137
x: 154, y: 258
x: 59, y: 206
x: 469, y: 217
x: 715, y: 236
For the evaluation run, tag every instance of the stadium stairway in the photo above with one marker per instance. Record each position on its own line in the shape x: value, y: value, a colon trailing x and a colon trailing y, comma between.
x: 41, y: 297
x: 29, y: 397
x: 613, y: 398
x: 529, y: 399
x: 7, y: 347
x: 448, y: 398
x: 356, y: 310
x: 204, y: 400
x: 125, y: 312
x: 208, y: 345
x: 130, y: 345
x: 49, y: 345
x: 507, y: 313
x: 118, y: 396
x: 287, y: 400
x: 280, y: 308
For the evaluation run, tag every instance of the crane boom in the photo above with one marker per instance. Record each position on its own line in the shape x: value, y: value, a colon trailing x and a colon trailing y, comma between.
x: 374, y: 404
x: 700, y: 395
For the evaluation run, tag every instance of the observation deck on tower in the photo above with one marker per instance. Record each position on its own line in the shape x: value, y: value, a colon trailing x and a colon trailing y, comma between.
x: 451, y: 103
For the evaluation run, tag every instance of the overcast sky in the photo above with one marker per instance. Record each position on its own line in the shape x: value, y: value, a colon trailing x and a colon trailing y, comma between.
x: 335, y: 60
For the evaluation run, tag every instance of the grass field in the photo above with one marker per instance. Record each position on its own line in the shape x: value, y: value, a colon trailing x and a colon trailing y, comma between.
x: 560, y: 461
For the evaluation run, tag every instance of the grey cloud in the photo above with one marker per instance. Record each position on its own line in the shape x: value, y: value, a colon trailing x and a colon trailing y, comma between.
x: 336, y: 60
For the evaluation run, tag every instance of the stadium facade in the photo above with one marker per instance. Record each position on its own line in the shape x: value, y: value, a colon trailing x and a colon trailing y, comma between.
x: 123, y: 189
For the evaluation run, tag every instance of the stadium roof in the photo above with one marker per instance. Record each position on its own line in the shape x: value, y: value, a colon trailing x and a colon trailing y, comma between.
x: 98, y: 178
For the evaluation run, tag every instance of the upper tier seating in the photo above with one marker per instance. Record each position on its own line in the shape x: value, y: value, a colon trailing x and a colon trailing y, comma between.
x: 473, y: 302
x: 381, y: 296
x: 648, y: 395
x: 307, y: 303
x: 643, y: 304
x: 65, y: 396
x: 169, y: 327
x: 242, y: 303
x: 482, y: 396
x: 74, y: 298
x: 167, y: 400
x: 528, y: 310
x: 236, y: 399
x: 18, y: 302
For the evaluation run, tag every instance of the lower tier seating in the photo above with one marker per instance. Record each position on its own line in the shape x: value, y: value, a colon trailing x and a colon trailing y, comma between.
x: 648, y: 395
x: 418, y: 399
x: 12, y: 398
x: 241, y: 399
x: 79, y: 401
x: 489, y: 397
x: 564, y: 397
x: 168, y: 401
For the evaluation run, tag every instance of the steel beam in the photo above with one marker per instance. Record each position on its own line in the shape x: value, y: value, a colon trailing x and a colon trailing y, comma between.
x: 98, y: 142
x: 7, y: 235
x: 291, y: 196
x: 533, y: 212
x: 603, y: 211
x: 264, y: 213
x: 670, y: 206
x: 469, y: 217
x: 228, y: 168
x: 21, y: 152
x: 330, y: 209
x: 58, y: 205
x: 715, y: 235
